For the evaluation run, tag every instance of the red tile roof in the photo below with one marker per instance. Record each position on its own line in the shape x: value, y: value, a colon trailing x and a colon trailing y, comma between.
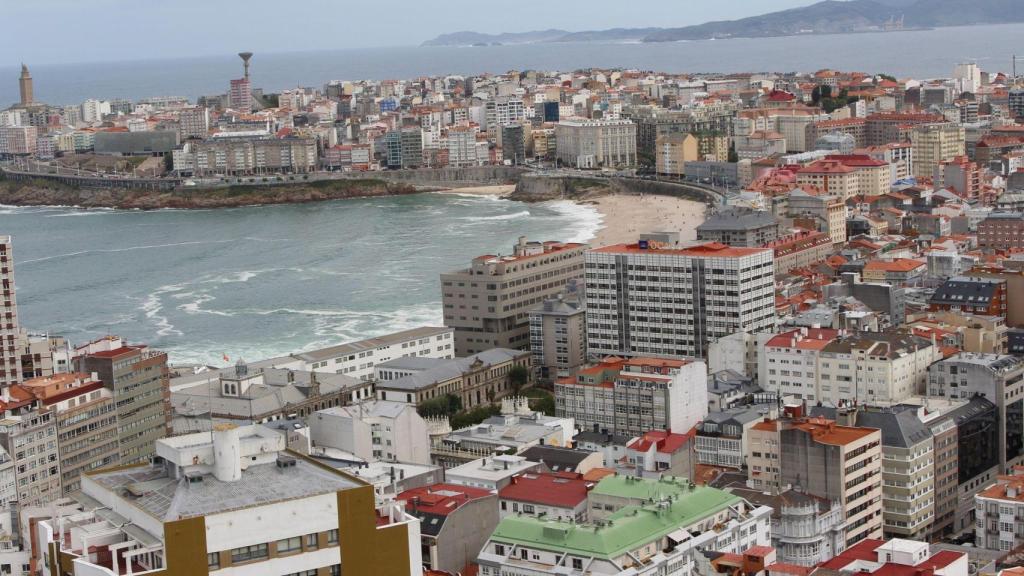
x: 664, y: 442
x: 547, y: 490
x: 440, y: 499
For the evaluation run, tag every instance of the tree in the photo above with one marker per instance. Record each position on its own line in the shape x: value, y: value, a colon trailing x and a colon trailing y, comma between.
x: 518, y: 376
x: 887, y: 77
x: 733, y: 156
x: 816, y: 94
x: 446, y: 405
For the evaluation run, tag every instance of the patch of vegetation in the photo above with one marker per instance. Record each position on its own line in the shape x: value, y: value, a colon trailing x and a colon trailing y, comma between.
x: 475, y: 416
x: 541, y: 400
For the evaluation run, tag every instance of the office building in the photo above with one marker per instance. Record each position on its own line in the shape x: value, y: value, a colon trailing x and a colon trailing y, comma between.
x: 238, y: 503
x: 137, y: 377
x: 647, y: 300
x: 630, y: 397
x: 589, y: 144
x: 489, y: 303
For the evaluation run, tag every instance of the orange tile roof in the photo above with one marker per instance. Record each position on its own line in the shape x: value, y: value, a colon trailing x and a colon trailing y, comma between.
x: 898, y: 265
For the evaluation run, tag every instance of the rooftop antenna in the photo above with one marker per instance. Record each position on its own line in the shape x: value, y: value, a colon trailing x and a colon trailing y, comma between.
x: 245, y: 56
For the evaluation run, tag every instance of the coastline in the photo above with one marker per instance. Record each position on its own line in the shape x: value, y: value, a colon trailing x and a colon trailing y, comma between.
x: 627, y: 216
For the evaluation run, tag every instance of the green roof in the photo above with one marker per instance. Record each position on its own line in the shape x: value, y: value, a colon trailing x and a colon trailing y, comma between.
x: 624, y: 486
x: 627, y: 529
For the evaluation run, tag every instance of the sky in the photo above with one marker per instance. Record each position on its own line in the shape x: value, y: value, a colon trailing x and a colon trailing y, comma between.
x: 69, y: 31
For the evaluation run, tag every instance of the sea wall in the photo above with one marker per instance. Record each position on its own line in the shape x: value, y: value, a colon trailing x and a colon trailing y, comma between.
x: 532, y: 188
x: 42, y: 192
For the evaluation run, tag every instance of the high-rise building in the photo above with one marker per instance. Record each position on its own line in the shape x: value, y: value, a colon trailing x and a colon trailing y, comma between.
x: 10, y: 361
x: 489, y: 303
x: 194, y: 122
x: 1017, y: 103
x: 558, y: 336
x: 839, y: 463
x: 240, y: 95
x: 233, y: 500
x: 934, y: 144
x: 647, y: 300
x: 138, y: 378
x: 25, y: 86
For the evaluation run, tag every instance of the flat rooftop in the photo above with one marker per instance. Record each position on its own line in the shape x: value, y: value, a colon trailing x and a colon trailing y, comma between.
x: 165, y: 498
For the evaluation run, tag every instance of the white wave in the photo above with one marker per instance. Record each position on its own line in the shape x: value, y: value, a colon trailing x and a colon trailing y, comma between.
x: 153, y: 305
x: 195, y: 307
x: 584, y: 220
x: 126, y: 249
x: 513, y: 216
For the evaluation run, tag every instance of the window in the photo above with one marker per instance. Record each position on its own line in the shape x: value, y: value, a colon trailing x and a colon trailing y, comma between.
x: 303, y: 573
x: 336, y: 570
x: 213, y: 560
x: 287, y: 545
x: 577, y: 564
x: 249, y: 553
x: 332, y: 536
x: 311, y: 542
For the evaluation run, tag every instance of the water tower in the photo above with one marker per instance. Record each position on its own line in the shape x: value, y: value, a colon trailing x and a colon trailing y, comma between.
x: 245, y: 56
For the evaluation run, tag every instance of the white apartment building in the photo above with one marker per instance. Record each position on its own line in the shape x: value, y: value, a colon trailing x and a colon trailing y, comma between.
x: 583, y: 143
x: 238, y: 504
x: 374, y: 430
x: 789, y: 364
x: 630, y: 397
x: 647, y: 300
x: 357, y: 359
x: 999, y: 514
x: 94, y: 110
x: 875, y: 368
x: 502, y: 112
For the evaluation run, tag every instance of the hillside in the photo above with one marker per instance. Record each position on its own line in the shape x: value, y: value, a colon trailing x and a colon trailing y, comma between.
x: 828, y: 17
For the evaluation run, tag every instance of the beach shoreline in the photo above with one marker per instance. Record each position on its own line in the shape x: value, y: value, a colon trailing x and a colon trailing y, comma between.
x: 627, y: 216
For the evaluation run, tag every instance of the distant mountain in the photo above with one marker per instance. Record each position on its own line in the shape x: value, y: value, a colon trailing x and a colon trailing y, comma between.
x: 475, y: 38
x: 828, y: 17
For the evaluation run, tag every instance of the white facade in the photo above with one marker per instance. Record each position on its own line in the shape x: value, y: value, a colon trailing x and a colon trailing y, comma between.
x: 672, y: 302
x: 373, y: 431
x: 357, y: 359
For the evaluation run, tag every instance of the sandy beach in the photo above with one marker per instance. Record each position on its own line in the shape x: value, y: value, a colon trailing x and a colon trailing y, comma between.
x: 628, y: 216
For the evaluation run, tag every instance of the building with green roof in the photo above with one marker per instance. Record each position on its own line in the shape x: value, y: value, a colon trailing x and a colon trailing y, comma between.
x: 660, y: 527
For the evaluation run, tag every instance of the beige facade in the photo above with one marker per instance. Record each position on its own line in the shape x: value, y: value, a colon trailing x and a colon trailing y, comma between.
x: 479, y: 379
x: 596, y: 143
x: 673, y: 151
x: 489, y: 303
x: 10, y: 362
x: 839, y: 463
x: 138, y: 379
x: 934, y: 144
x: 245, y: 156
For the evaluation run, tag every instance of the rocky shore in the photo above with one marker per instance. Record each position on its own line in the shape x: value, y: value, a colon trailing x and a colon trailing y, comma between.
x: 47, y: 193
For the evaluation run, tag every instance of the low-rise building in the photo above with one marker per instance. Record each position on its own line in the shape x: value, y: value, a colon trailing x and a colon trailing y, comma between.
x: 964, y: 294
x: 806, y: 530
x: 1002, y: 231
x: 664, y: 536
x: 479, y: 379
x: 740, y: 227
x: 558, y: 497
x: 357, y: 359
x: 660, y: 453
x: 897, y: 557
x: 374, y: 430
x: 722, y: 436
x: 493, y: 473
x: 455, y: 522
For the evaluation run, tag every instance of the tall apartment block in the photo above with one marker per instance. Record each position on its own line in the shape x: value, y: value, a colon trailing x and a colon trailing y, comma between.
x: 10, y: 361
x: 647, y: 300
x: 558, y: 336
x: 138, y: 378
x: 839, y: 463
x: 489, y: 303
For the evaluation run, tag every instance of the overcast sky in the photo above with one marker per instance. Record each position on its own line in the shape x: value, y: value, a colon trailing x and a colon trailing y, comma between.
x: 65, y: 31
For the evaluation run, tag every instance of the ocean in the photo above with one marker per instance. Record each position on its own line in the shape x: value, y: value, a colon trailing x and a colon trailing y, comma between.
x: 920, y: 54
x: 259, y: 282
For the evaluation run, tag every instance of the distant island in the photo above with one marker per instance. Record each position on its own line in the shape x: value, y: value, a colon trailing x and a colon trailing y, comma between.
x: 828, y: 17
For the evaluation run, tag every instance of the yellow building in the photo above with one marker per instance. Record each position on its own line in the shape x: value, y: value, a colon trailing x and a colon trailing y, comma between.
x: 936, y: 143
x: 673, y: 151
